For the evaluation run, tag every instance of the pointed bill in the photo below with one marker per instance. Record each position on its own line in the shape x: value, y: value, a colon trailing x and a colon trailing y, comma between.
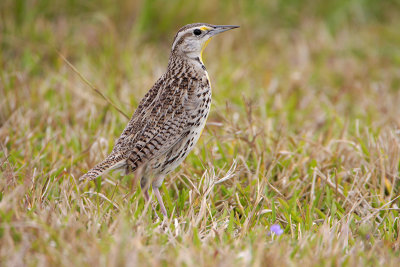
x: 221, y: 28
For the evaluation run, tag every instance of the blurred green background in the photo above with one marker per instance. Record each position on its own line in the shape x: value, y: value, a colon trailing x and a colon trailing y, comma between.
x: 314, y: 41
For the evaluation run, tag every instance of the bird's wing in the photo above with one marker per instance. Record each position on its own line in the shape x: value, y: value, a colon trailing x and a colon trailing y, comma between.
x: 159, y: 122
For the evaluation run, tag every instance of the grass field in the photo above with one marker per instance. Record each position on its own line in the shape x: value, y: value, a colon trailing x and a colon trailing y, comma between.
x: 304, y: 132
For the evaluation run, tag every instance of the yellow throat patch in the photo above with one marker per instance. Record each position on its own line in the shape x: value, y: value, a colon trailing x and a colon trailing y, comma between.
x: 204, y: 47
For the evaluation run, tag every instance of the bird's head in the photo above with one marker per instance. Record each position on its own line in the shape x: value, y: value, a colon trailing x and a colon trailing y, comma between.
x: 191, y: 39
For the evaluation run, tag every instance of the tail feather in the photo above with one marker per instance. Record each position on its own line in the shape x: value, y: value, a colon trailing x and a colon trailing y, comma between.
x: 101, y: 168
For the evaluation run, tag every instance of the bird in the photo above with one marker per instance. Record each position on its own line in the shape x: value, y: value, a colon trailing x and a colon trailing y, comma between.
x: 170, y: 118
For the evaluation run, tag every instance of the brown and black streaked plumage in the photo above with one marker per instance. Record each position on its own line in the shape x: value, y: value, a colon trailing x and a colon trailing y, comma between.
x: 171, y: 116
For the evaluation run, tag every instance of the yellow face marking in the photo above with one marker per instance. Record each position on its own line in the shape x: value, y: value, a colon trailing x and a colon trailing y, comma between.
x: 204, y: 28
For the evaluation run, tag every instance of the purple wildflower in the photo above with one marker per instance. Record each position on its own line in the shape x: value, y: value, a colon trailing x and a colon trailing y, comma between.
x: 276, y: 229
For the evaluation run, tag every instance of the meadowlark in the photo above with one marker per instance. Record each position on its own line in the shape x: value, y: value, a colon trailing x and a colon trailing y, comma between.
x: 170, y: 118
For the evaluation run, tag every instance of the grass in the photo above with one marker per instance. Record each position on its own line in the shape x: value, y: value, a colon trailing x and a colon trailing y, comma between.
x: 304, y: 132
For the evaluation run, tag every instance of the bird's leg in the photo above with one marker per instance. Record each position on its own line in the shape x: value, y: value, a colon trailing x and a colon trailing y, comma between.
x: 144, y: 185
x: 160, y: 201
x: 146, y: 194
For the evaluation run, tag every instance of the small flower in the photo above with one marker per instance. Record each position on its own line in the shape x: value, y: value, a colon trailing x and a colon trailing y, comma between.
x: 276, y: 229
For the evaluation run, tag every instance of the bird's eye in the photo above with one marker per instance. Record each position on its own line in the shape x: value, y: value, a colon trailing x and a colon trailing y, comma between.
x: 197, y: 32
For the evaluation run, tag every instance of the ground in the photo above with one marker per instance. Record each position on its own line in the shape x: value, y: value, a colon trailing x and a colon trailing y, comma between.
x: 304, y: 133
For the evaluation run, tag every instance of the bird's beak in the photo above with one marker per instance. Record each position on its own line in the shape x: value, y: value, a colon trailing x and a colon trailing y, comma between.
x: 221, y: 28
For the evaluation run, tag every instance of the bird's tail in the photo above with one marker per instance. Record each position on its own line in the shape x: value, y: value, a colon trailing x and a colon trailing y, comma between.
x: 101, y: 168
